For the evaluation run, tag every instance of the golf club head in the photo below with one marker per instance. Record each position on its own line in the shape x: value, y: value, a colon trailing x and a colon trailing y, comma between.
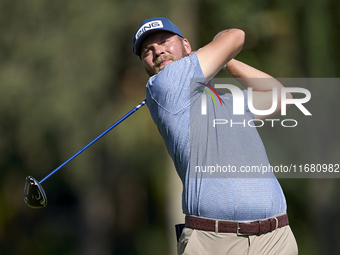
x: 34, y: 194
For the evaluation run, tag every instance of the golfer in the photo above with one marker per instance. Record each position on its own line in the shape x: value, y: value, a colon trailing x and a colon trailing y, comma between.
x: 223, y: 215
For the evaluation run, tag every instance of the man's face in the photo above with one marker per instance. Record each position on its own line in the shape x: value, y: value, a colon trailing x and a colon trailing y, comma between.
x: 161, y: 49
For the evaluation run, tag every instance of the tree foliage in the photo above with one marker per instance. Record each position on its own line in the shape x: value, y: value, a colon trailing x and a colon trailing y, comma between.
x: 67, y: 72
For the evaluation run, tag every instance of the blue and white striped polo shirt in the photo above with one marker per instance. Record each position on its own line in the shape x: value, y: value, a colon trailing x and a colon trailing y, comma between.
x: 172, y: 104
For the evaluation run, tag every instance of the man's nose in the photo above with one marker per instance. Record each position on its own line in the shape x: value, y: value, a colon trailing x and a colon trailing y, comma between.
x: 159, y: 49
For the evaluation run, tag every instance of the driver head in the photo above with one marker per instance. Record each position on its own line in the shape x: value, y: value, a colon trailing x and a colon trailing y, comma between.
x: 34, y: 194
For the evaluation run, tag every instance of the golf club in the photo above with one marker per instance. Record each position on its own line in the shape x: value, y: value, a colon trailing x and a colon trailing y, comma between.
x: 34, y: 194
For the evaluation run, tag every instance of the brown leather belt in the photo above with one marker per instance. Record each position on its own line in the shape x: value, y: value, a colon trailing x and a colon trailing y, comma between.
x: 249, y: 228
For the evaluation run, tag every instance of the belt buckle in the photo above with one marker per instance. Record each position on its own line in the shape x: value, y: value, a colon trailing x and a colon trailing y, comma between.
x: 238, y: 230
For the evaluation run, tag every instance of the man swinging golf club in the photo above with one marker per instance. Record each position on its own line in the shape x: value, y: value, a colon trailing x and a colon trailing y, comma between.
x: 223, y: 215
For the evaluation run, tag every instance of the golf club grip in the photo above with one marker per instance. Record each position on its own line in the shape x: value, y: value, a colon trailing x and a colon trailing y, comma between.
x: 96, y: 139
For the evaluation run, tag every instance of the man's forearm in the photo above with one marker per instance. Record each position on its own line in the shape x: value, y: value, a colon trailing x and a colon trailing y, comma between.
x: 261, y: 83
x: 251, y: 77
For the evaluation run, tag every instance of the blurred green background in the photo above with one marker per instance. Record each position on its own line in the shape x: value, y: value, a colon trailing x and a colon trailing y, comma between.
x: 67, y: 72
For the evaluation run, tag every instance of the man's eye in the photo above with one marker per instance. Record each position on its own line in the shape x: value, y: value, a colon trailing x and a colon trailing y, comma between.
x: 146, y: 52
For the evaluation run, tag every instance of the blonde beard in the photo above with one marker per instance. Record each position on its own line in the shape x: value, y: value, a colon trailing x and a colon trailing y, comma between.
x: 156, y: 69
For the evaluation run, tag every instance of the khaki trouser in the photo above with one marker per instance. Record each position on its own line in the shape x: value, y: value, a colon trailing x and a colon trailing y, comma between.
x: 198, y: 242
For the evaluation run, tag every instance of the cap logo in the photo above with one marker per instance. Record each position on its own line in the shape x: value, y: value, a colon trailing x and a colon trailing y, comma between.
x: 148, y: 26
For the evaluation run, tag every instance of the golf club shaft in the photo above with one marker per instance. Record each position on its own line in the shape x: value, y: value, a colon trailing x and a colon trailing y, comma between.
x: 94, y: 140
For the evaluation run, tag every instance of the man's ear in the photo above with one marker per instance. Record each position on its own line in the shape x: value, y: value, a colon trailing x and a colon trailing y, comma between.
x: 187, y: 46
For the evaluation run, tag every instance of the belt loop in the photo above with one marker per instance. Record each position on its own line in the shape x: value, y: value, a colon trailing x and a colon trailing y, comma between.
x: 277, y: 223
x: 216, y: 226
